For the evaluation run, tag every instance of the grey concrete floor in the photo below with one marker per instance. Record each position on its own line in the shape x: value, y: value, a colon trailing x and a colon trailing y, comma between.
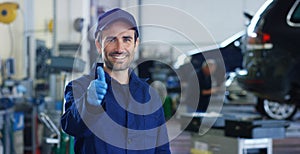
x: 287, y: 145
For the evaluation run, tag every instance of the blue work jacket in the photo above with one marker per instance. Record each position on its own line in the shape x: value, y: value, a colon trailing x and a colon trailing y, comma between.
x: 138, y: 127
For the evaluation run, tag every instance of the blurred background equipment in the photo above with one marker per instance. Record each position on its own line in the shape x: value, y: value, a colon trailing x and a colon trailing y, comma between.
x: 8, y: 12
x: 78, y: 24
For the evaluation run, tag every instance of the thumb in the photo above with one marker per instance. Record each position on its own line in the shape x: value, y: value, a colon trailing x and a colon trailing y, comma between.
x: 100, y: 73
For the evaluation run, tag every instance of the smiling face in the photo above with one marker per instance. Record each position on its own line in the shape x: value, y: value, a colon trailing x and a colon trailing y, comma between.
x: 117, y: 46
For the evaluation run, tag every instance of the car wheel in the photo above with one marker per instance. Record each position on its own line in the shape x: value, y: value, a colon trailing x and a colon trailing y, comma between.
x: 276, y: 110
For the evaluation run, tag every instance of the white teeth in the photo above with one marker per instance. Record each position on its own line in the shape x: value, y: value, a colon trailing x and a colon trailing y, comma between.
x: 120, y: 56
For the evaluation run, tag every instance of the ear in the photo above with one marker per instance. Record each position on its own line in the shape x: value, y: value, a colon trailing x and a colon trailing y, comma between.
x: 137, y: 43
x: 98, y: 46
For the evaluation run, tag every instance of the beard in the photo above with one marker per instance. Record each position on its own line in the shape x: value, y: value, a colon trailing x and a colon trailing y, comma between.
x: 116, y: 66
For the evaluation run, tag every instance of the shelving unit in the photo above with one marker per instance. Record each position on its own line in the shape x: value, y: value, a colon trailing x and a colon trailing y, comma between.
x: 6, y: 130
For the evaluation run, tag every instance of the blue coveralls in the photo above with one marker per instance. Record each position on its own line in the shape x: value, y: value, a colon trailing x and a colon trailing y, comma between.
x: 116, y: 127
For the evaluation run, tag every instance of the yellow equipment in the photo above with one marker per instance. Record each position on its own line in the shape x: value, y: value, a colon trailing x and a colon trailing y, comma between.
x: 8, y: 12
x: 50, y: 25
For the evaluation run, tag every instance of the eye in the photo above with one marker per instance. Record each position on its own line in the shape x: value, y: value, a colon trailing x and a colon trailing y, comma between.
x: 109, y: 40
x: 127, y: 39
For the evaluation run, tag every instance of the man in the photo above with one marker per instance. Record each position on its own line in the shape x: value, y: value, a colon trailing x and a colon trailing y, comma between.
x: 111, y: 110
x: 205, y: 83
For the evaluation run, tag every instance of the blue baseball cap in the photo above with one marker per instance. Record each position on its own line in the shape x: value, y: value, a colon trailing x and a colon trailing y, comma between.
x: 115, y: 15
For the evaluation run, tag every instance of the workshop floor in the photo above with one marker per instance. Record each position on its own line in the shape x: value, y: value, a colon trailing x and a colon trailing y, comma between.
x: 288, y: 145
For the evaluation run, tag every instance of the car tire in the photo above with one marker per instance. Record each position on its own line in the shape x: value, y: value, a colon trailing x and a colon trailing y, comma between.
x: 276, y: 110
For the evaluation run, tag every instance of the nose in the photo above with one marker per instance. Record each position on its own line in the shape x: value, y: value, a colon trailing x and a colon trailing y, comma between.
x: 119, y: 46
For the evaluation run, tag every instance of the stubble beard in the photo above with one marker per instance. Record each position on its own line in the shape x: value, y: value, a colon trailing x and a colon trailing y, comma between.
x: 117, y: 66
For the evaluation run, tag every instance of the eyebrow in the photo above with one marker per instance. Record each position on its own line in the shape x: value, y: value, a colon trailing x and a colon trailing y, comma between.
x: 127, y: 37
x: 110, y: 37
x: 114, y: 37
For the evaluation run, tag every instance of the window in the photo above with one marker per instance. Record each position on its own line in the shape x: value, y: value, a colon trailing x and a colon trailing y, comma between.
x: 296, y: 14
x: 293, y: 18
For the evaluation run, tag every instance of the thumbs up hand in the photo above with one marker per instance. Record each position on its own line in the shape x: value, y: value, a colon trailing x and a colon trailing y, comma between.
x: 97, y: 89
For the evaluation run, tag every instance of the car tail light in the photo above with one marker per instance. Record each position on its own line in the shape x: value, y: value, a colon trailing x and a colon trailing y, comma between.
x: 259, y: 41
x: 266, y: 38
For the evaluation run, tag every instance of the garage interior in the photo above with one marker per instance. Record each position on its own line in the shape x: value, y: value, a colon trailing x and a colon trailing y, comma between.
x: 45, y: 44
